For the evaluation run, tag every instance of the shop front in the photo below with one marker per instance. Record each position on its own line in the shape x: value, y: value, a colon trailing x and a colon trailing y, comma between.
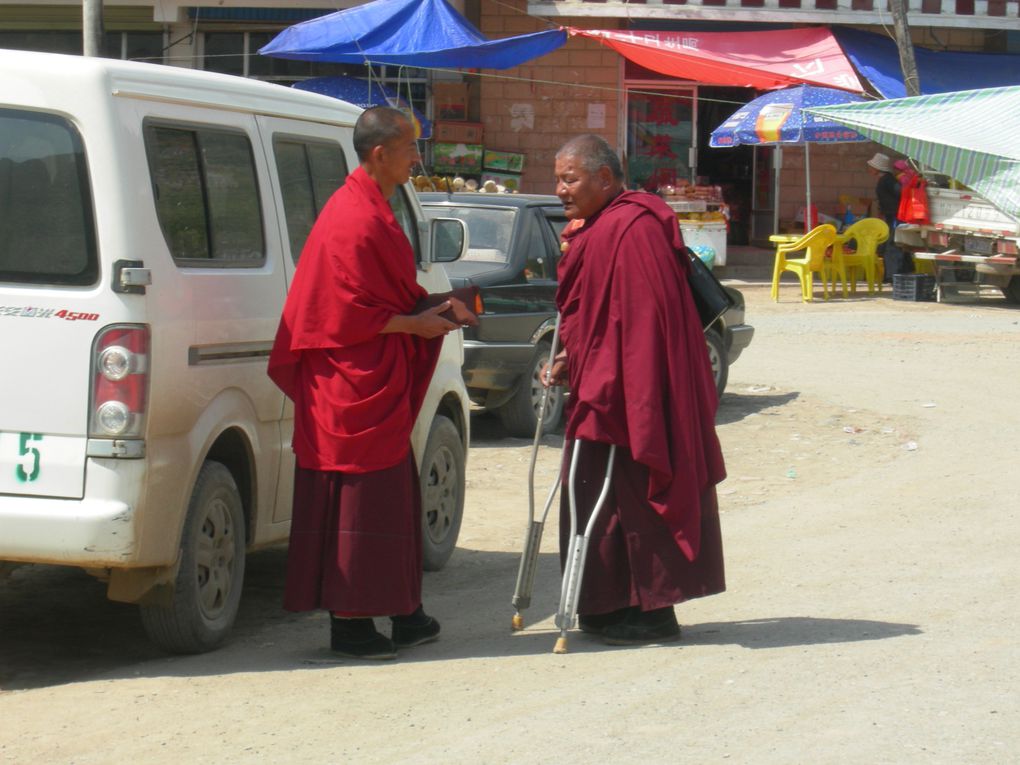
x: 666, y: 129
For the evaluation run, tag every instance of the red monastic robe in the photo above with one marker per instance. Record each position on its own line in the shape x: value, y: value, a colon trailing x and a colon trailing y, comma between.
x: 640, y: 378
x: 355, y: 545
x: 356, y: 392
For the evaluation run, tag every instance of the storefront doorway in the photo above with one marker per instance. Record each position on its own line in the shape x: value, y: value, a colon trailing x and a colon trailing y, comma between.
x: 732, y: 168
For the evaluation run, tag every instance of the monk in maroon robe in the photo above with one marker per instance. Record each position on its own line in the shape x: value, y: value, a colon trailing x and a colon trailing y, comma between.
x: 356, y: 360
x: 640, y: 378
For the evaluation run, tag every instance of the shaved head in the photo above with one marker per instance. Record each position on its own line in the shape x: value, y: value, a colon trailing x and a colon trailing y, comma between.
x: 592, y: 152
x: 378, y: 126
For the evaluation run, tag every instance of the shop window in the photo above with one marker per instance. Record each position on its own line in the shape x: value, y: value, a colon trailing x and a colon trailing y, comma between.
x: 136, y: 46
x: 659, y: 138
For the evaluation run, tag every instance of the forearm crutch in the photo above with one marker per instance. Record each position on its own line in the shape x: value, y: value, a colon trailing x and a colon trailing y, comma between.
x: 577, y: 552
x: 533, y: 536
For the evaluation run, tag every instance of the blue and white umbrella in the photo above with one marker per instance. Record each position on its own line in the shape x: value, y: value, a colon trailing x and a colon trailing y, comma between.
x: 778, y: 118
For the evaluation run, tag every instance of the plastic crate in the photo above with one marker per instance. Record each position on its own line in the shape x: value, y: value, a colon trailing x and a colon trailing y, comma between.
x: 914, y: 287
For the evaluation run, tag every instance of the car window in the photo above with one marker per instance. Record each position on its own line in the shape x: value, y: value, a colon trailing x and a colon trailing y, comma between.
x: 405, y: 217
x: 489, y: 231
x: 537, y: 265
x: 309, y: 172
x: 557, y: 222
x: 206, y: 194
x: 47, y: 229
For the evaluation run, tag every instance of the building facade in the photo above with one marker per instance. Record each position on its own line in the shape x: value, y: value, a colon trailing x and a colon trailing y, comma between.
x: 659, y: 124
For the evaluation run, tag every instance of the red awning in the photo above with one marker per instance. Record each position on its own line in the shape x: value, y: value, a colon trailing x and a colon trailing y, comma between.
x: 761, y: 60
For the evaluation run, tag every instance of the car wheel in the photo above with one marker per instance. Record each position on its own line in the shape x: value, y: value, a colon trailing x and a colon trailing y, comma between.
x: 519, y: 415
x: 717, y: 356
x: 442, y: 493
x: 1012, y: 290
x: 207, y: 588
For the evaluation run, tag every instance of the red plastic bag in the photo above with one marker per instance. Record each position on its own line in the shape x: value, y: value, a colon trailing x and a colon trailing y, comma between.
x: 914, y: 202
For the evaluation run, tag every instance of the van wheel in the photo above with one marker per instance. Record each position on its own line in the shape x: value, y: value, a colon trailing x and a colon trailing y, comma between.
x: 207, y: 589
x: 519, y: 415
x: 442, y: 493
x: 717, y: 357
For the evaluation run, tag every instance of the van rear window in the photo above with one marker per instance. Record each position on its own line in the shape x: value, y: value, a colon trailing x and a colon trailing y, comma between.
x: 206, y: 193
x: 47, y: 229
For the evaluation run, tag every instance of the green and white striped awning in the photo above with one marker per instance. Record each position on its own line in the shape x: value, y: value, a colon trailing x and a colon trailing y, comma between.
x: 972, y: 136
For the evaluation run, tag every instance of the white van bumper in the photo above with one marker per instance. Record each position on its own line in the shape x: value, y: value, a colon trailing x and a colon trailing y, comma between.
x: 79, y: 532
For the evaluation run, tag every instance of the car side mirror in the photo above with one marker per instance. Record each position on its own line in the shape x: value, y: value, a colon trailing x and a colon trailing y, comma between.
x: 449, y: 238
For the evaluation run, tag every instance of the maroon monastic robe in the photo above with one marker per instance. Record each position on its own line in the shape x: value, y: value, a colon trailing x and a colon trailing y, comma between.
x: 355, y: 541
x: 640, y: 378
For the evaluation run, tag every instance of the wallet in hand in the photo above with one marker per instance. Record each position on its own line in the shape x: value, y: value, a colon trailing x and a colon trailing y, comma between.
x: 462, y: 302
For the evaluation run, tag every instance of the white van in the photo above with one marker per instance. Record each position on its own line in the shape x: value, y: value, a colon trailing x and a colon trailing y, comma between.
x: 150, y: 222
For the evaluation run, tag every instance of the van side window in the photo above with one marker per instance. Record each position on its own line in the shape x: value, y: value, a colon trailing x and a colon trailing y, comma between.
x: 309, y: 172
x: 206, y: 194
x: 47, y: 229
x: 405, y: 217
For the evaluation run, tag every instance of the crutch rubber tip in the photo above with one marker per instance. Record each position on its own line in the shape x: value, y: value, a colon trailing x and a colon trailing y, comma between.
x: 561, y: 645
x: 517, y: 623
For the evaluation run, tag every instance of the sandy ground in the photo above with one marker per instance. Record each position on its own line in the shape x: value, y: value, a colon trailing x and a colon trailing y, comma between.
x: 870, y: 520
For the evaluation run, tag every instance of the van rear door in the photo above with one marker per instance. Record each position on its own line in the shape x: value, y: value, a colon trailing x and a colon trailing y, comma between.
x: 49, y: 274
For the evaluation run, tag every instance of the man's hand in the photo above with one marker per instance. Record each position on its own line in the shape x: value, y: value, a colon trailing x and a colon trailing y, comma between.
x: 427, y: 324
x: 430, y: 324
x: 555, y: 375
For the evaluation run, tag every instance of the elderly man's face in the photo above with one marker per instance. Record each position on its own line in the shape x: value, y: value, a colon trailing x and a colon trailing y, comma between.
x: 582, y: 193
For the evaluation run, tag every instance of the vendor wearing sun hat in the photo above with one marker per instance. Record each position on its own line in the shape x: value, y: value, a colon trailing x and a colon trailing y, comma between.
x: 887, y: 192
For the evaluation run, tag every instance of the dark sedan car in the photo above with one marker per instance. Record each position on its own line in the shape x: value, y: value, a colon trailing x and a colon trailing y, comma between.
x: 513, y: 250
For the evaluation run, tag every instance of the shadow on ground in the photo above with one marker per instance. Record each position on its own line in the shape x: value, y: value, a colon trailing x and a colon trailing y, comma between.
x: 487, y: 431
x: 56, y: 626
x: 734, y: 407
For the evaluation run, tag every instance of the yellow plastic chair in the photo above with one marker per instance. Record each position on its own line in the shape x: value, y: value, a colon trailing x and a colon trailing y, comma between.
x: 867, y: 234
x: 814, y: 244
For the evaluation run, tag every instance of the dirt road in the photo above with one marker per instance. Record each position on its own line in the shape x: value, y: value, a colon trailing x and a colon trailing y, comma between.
x: 871, y: 527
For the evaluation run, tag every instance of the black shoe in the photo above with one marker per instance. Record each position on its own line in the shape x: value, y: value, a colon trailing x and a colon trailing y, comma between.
x: 595, y: 624
x: 358, y: 639
x: 643, y: 627
x: 414, y: 629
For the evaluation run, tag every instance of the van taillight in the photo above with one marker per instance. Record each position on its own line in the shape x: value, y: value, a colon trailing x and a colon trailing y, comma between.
x: 479, y: 305
x: 120, y: 381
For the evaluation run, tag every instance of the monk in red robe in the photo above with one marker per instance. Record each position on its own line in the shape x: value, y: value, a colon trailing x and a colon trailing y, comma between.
x: 634, y: 355
x: 356, y: 360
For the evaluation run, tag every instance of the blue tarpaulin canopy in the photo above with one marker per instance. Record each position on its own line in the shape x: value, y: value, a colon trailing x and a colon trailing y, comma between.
x: 365, y: 93
x: 418, y: 33
x: 877, y: 58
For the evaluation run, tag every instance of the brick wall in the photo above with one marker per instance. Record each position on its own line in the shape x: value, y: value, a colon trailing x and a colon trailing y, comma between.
x: 537, y: 107
x: 836, y: 169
